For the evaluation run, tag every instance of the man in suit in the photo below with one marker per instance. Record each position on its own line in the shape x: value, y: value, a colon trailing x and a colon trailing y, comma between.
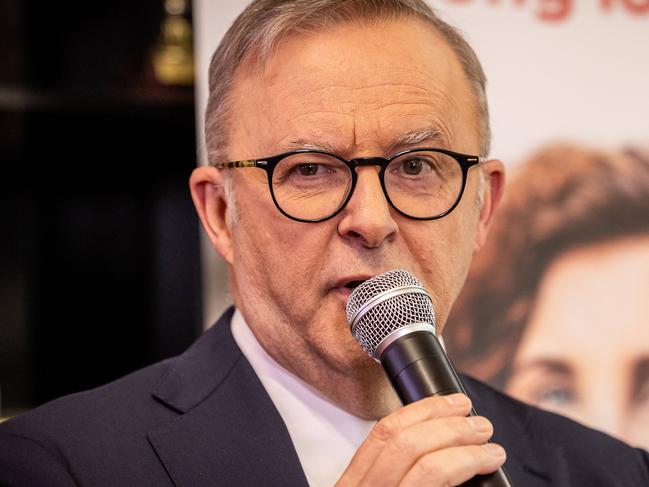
x: 343, y: 137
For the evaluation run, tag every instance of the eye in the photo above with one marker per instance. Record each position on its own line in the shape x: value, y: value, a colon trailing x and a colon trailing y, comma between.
x: 413, y: 166
x: 307, y: 169
x: 556, y: 397
x: 311, y: 171
x: 418, y: 166
x: 308, y: 166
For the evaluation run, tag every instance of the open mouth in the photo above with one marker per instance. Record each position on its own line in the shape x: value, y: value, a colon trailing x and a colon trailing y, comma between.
x: 353, y: 284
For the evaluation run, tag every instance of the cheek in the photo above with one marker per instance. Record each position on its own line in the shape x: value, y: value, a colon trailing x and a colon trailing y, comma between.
x: 442, y: 258
x: 277, y: 253
x: 253, y: 232
x: 461, y: 244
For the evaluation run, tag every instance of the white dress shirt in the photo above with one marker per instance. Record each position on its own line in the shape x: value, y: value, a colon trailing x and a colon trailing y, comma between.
x: 325, y: 437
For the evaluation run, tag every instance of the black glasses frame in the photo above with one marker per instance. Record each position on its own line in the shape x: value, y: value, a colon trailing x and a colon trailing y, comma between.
x: 269, y: 164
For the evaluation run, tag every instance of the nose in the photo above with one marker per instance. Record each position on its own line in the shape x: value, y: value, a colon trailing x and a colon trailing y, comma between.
x: 367, y: 219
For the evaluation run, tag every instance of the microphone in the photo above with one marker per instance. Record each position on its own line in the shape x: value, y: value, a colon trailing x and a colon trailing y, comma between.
x: 392, y: 317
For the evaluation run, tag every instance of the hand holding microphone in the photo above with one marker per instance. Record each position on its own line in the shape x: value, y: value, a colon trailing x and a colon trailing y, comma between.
x: 436, y: 438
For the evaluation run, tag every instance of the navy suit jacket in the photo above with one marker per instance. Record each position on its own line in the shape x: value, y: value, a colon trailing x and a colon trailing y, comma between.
x: 203, y: 418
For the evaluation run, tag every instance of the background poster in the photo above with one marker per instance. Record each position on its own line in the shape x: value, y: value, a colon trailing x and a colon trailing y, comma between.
x: 573, y: 73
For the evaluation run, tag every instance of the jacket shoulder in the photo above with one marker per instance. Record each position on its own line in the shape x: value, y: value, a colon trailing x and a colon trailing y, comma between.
x: 102, y: 436
x: 102, y: 426
x: 98, y: 406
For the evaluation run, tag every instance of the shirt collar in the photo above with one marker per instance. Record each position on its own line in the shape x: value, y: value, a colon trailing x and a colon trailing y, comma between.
x: 325, y: 436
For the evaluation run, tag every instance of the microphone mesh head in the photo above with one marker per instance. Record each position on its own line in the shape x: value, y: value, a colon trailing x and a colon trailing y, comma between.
x: 387, y: 315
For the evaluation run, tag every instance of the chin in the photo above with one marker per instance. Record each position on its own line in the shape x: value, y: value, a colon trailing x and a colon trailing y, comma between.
x: 362, y: 361
x: 351, y: 353
x: 364, y: 369
x: 349, y: 360
x: 374, y: 399
x: 355, y: 381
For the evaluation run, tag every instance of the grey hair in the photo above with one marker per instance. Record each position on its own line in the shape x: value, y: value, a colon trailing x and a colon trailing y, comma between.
x: 264, y: 23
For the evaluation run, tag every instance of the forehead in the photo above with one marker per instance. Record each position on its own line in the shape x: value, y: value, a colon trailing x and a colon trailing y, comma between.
x: 581, y: 295
x: 354, y: 87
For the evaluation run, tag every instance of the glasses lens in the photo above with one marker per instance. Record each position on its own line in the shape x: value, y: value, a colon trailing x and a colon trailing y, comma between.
x: 423, y: 184
x: 311, y: 186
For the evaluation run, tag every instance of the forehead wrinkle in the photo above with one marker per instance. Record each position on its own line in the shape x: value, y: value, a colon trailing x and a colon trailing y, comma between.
x: 429, y: 135
x: 419, y: 84
x: 320, y: 145
x: 363, y: 112
x: 325, y: 130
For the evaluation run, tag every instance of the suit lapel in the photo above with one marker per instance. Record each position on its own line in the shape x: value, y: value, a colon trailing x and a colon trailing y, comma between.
x: 228, y: 431
x: 535, y: 464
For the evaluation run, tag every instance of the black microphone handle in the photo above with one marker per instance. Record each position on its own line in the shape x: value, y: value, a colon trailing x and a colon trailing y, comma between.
x: 418, y: 367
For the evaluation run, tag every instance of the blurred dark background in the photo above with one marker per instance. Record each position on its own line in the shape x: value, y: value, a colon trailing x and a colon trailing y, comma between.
x: 99, y: 253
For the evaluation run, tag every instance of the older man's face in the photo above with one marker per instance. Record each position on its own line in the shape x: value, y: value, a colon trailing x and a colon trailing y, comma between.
x: 356, y: 89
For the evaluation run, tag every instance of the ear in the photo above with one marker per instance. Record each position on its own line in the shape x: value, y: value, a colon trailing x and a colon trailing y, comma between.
x: 206, y: 184
x: 494, y: 184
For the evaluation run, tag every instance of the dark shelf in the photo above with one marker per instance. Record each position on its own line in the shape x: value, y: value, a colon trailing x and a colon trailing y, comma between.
x: 21, y: 99
x: 100, y: 254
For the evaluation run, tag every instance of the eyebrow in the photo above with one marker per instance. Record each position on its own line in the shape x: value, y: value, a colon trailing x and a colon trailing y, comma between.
x: 548, y: 364
x: 406, y: 140
x: 303, y: 144
x: 415, y: 137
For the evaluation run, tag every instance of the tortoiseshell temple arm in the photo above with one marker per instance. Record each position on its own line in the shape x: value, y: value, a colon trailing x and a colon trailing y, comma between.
x: 245, y: 163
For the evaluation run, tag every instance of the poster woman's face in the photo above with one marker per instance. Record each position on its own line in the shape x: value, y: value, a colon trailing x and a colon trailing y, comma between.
x: 585, y: 351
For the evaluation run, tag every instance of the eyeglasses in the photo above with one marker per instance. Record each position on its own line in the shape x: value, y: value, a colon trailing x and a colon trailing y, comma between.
x: 313, y: 186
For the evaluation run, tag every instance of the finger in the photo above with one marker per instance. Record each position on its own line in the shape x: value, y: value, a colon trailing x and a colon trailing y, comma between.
x: 407, y: 447
x: 434, y: 407
x: 454, y: 466
x: 417, y: 412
